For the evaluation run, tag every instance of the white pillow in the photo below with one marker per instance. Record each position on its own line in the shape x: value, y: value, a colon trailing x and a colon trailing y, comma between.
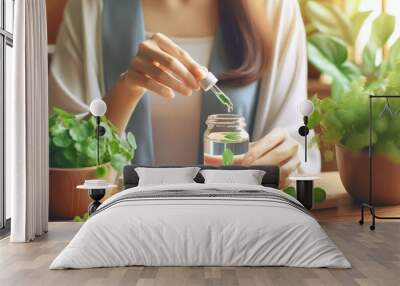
x: 247, y: 177
x: 165, y: 176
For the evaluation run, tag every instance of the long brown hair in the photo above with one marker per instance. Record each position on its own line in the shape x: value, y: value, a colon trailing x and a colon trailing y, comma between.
x: 247, y: 40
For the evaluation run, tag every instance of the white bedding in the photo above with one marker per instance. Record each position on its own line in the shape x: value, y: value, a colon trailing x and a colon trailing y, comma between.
x: 188, y: 231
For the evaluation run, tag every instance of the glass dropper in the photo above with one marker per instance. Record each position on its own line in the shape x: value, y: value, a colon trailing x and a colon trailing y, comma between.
x: 209, y: 83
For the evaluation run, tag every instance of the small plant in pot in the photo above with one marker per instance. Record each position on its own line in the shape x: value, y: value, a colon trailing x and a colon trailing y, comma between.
x: 73, y: 153
x: 344, y: 116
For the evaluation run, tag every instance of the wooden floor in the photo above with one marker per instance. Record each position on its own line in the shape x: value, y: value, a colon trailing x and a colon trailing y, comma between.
x: 375, y: 257
x: 347, y: 210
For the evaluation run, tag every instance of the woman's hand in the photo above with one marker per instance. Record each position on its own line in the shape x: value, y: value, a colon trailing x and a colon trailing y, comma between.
x: 276, y: 148
x: 160, y: 66
x: 163, y: 67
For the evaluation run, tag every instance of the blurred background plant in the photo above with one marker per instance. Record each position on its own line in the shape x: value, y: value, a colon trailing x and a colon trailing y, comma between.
x: 332, y: 43
x: 326, y: 16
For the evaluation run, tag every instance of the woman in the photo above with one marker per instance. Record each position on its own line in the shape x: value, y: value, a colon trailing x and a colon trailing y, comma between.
x: 150, y: 80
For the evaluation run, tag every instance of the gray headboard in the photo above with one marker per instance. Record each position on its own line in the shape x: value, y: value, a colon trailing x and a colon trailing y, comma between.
x: 270, y: 179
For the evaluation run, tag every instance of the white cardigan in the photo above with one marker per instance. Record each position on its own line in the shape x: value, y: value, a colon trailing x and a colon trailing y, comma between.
x: 73, y: 86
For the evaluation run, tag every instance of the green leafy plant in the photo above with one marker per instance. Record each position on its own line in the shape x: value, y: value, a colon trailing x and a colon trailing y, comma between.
x: 319, y: 194
x: 344, y: 116
x: 73, y: 144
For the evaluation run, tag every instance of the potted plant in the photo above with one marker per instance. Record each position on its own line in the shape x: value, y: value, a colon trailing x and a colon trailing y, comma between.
x: 344, y: 116
x: 72, y: 160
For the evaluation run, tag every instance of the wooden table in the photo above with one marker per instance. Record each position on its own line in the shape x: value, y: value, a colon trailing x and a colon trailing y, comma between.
x: 339, y: 205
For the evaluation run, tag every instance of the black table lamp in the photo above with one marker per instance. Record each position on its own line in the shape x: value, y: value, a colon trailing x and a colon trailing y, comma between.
x: 306, y: 108
x: 98, y: 108
x: 304, y: 182
x: 96, y: 188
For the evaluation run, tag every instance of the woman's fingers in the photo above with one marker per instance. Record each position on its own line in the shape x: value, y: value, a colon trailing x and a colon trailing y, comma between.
x: 174, y: 50
x: 287, y: 169
x: 264, y: 145
x: 156, y: 73
x: 152, y: 52
x: 279, y: 155
x: 162, y: 61
x: 141, y: 80
x: 277, y: 148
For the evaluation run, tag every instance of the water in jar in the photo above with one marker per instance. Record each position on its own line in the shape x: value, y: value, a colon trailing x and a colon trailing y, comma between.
x: 216, y: 143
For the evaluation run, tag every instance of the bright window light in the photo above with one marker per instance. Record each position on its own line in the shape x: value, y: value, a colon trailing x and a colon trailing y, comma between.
x: 392, y: 7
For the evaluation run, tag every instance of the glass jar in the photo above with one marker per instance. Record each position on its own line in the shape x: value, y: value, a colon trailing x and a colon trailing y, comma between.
x: 226, y: 140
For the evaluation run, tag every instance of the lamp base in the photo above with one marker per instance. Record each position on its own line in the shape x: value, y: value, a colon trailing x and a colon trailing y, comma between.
x: 304, y: 189
x: 96, y: 195
x: 304, y: 192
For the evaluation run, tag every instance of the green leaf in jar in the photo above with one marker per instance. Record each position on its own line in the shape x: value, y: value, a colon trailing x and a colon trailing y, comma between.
x: 227, y: 157
x: 231, y: 137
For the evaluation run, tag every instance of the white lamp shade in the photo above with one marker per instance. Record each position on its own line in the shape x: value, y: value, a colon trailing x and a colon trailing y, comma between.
x: 98, y: 107
x: 306, y: 107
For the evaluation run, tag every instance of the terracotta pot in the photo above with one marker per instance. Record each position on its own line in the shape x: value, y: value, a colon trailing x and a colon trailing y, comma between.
x: 353, y: 170
x: 313, y: 72
x: 65, y: 201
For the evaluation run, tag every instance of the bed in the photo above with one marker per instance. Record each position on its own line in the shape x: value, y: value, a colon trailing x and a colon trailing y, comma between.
x: 198, y: 224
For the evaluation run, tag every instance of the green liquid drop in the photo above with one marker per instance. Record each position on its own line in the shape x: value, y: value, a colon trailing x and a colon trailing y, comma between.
x: 225, y: 100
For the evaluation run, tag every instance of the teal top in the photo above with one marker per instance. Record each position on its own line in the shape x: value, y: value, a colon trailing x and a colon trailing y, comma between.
x: 122, y: 32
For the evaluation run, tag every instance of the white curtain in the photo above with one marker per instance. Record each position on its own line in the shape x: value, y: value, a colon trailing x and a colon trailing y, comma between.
x: 26, y: 120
